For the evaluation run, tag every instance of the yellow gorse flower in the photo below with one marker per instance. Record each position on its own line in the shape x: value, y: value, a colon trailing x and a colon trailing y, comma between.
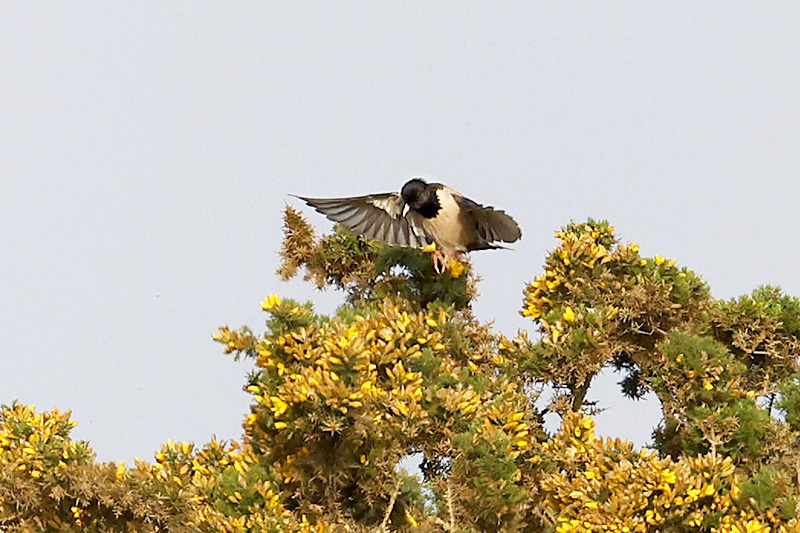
x: 270, y: 302
x: 430, y: 248
x: 456, y: 268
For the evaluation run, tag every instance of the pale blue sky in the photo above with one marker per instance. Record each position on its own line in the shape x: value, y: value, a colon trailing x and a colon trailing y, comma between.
x: 147, y: 149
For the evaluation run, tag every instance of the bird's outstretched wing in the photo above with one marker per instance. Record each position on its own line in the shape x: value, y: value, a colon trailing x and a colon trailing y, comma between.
x: 491, y: 224
x: 376, y: 216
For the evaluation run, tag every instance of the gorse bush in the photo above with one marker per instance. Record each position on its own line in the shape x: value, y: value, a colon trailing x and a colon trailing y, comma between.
x: 404, y: 368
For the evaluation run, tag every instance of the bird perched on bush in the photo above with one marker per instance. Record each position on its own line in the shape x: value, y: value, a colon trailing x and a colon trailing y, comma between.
x: 422, y: 214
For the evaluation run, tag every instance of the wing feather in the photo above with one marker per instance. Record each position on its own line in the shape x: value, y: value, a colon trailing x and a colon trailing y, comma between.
x: 495, y: 225
x: 380, y: 231
x: 376, y: 216
x: 491, y: 225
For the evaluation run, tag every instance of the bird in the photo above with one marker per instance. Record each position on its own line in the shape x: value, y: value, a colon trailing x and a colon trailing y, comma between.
x: 422, y: 214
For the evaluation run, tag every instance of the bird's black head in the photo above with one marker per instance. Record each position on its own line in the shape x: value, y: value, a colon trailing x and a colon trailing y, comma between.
x: 414, y: 191
x: 420, y: 197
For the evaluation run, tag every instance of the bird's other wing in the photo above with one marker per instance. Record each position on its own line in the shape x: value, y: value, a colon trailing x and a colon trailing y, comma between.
x: 376, y: 216
x: 491, y: 224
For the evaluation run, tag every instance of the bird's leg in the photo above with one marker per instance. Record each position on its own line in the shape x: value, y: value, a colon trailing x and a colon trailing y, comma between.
x: 442, y: 259
x: 439, y: 261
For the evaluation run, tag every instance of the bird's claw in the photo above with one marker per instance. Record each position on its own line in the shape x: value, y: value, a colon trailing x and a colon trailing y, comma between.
x: 442, y: 260
x: 439, y: 261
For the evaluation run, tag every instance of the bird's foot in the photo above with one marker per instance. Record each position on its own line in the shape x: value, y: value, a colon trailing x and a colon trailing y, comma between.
x: 442, y: 259
x: 439, y: 261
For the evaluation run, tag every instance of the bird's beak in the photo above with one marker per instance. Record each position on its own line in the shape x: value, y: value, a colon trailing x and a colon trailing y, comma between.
x: 406, y: 207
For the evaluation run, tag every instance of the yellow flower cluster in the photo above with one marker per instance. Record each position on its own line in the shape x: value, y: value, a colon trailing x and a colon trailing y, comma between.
x: 456, y: 268
x: 747, y: 524
x: 519, y: 430
x: 581, y: 247
x: 38, y: 443
x: 502, y: 421
x: 342, y: 366
x: 270, y: 302
x: 536, y: 298
x: 594, y: 301
x: 200, y: 472
x: 606, y: 486
x: 234, y: 340
x: 460, y: 399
